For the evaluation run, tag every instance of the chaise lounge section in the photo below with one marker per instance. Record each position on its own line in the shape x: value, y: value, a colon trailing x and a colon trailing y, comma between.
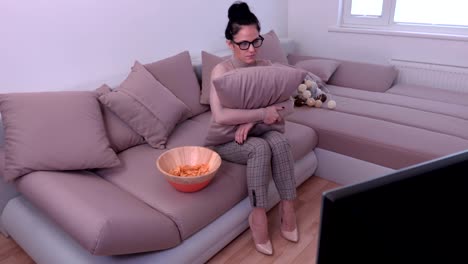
x: 383, y: 123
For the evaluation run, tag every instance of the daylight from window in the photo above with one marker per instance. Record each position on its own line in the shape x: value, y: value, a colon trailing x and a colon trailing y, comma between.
x: 367, y: 7
x: 432, y: 12
x: 438, y: 12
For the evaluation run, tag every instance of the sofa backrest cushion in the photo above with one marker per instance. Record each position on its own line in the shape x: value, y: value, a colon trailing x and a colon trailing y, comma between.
x: 271, y: 49
x: 364, y: 76
x: 54, y: 131
x: 322, y: 68
x: 176, y: 74
x: 121, y: 136
x: 209, y: 61
x: 146, y: 105
x: 357, y: 75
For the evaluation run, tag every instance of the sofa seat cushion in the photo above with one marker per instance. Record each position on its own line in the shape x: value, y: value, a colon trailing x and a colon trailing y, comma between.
x: 381, y: 142
x: 139, y: 176
x: 434, y: 94
x: 101, y: 217
x: 454, y: 110
x: 404, y: 116
x: 302, y: 139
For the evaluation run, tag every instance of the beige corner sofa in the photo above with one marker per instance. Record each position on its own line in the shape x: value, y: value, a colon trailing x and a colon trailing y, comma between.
x: 130, y: 214
x: 379, y: 125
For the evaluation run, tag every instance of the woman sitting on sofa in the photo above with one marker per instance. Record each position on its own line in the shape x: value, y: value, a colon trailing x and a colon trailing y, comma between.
x: 262, y: 154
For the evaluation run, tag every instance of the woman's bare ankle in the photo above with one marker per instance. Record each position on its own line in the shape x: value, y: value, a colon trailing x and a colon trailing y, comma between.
x: 259, y: 225
x: 288, y: 215
x: 259, y: 215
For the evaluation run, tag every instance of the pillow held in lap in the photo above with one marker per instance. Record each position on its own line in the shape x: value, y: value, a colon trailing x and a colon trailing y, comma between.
x: 253, y: 88
x: 257, y: 87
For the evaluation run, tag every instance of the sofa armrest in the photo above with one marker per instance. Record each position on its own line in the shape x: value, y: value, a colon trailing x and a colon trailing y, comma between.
x: 7, y: 192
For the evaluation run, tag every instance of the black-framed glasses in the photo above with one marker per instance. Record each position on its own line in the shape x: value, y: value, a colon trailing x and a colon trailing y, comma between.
x: 245, y: 45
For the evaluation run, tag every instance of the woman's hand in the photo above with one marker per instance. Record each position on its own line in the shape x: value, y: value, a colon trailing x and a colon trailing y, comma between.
x: 242, y: 132
x: 271, y: 114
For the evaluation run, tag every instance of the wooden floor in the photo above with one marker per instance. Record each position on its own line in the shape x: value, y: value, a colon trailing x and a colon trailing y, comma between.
x: 242, y: 249
x: 11, y: 253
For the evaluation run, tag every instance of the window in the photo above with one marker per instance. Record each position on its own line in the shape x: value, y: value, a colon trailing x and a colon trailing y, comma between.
x: 433, y: 16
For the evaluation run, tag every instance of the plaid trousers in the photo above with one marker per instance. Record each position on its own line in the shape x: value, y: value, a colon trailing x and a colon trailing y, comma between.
x: 265, y: 154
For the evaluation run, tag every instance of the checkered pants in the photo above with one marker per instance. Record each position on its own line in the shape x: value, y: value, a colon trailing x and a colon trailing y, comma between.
x: 267, y: 153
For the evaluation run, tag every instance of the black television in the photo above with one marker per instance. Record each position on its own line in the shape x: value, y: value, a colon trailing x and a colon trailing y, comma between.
x: 413, y: 215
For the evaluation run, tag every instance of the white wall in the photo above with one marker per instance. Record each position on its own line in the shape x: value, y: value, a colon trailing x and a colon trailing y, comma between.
x: 309, y: 21
x: 78, y: 44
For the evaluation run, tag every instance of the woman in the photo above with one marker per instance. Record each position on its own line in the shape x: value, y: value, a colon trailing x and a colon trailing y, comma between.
x: 262, y: 154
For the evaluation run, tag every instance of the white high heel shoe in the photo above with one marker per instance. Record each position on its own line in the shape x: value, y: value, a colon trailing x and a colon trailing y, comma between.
x: 293, y: 235
x: 265, y: 248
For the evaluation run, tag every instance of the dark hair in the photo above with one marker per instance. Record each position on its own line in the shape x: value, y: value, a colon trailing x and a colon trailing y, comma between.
x: 239, y: 15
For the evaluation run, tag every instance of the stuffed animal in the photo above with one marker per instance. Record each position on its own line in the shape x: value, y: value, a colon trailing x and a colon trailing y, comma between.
x: 309, y: 93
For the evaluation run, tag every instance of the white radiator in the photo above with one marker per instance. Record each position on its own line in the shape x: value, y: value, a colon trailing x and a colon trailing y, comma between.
x: 454, y: 78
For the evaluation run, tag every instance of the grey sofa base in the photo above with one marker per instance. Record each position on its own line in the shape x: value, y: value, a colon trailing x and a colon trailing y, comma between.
x: 47, y: 243
x: 7, y: 192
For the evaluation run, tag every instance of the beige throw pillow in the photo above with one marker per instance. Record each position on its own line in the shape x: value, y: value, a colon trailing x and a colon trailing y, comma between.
x: 176, y: 73
x: 147, y: 106
x: 54, y: 131
x: 323, y: 68
x: 209, y: 61
x: 121, y: 136
x: 271, y: 49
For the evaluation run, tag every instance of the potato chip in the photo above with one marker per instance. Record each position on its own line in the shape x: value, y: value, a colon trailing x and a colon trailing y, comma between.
x: 190, y: 170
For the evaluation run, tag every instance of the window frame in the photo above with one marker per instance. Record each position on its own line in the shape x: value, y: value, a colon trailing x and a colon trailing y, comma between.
x: 386, y: 22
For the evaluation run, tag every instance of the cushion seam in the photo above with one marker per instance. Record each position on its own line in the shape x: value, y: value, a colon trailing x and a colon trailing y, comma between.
x: 404, y: 124
x: 403, y: 106
x: 99, y: 237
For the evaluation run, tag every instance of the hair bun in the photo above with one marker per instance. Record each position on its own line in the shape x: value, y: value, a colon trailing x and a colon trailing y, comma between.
x: 238, y: 10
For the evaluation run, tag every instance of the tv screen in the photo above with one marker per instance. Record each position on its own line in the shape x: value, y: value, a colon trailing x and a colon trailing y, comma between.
x: 414, y: 215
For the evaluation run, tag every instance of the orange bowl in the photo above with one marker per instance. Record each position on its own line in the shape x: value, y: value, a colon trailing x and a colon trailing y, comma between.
x: 189, y: 155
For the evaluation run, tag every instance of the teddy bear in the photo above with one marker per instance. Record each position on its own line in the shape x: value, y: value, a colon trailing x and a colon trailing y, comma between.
x: 309, y: 93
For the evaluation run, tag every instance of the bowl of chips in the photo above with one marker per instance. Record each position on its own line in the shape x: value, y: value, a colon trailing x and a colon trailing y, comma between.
x: 189, y: 168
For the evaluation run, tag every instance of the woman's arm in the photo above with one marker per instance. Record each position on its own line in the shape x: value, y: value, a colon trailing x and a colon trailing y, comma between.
x: 229, y: 116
